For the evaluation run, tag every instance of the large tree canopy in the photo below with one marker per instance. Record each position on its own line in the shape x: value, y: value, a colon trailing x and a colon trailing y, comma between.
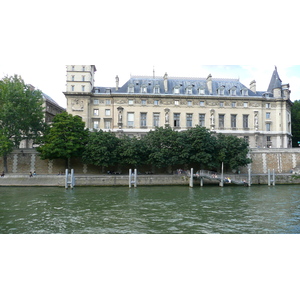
x: 21, y: 114
x: 65, y: 139
x: 296, y: 123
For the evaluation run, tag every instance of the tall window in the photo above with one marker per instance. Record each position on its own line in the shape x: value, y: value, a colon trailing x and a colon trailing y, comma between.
x: 233, y: 104
x: 83, y: 88
x: 201, y: 103
x: 156, y: 119
x: 156, y: 102
x: 176, y: 120
x: 221, y: 121
x: 72, y: 88
x: 107, y: 102
x: 107, y: 124
x: 245, y: 104
x: 83, y: 78
x: 96, y: 112
x: 189, y: 120
x: 156, y: 90
x: 268, y: 127
x: 83, y: 68
x: 176, y: 102
x: 269, y: 142
x: 268, y: 105
x: 221, y: 104
x: 246, y: 121
x: 96, y: 101
x: 73, y: 68
x: 73, y: 77
x: 268, y: 115
x: 233, y: 121
x: 95, y: 124
x: 130, y: 102
x: 202, y: 120
x: 143, y: 119
x: 144, y: 102
x: 131, y: 88
x: 189, y: 103
x: 130, y: 119
x: 107, y: 112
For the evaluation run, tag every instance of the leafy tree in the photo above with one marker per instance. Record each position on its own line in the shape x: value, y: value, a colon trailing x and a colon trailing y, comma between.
x: 65, y: 139
x: 21, y: 115
x: 132, y: 151
x: 296, y: 123
x: 198, y: 146
x: 101, y: 149
x: 232, y: 151
x: 163, y: 147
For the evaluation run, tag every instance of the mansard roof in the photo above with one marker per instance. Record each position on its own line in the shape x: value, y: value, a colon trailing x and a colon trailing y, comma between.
x: 194, y: 83
x: 275, y: 81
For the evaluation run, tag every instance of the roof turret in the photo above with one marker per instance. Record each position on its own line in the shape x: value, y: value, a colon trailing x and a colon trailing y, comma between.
x: 275, y: 82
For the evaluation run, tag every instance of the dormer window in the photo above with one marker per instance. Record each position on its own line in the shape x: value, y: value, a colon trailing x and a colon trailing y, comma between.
x: 201, y: 91
x: 83, y: 68
x: 233, y: 91
x: 189, y: 90
x: 131, y: 88
x: 156, y: 89
x: 221, y: 90
x: 244, y: 92
x: 176, y: 89
x: 83, y: 78
x: 143, y: 89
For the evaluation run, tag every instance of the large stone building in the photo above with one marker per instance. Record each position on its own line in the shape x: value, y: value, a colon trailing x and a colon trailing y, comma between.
x: 143, y: 103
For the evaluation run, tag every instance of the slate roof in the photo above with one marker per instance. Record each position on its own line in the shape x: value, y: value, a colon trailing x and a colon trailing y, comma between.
x: 275, y: 81
x: 48, y: 98
x: 182, y: 83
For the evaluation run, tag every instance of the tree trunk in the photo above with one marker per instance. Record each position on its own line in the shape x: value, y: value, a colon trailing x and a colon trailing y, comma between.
x: 5, y: 169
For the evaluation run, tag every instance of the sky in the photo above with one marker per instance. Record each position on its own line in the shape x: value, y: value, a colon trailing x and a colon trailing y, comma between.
x: 189, y: 39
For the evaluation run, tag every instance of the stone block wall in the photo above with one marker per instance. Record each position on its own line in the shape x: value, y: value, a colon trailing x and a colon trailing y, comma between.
x: 27, y: 160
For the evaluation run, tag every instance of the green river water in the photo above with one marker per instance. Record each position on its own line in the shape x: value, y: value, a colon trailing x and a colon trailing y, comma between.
x: 158, y: 210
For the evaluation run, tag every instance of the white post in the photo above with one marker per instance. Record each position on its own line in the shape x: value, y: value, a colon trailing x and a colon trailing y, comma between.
x: 192, y: 178
x: 273, y: 177
x: 269, y: 177
x: 249, y: 176
x: 130, y: 173
x: 222, y: 176
x: 66, y: 181
x: 72, y: 181
x: 201, y: 181
x: 135, y: 177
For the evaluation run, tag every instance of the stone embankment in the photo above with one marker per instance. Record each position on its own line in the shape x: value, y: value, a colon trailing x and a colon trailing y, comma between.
x: 123, y: 180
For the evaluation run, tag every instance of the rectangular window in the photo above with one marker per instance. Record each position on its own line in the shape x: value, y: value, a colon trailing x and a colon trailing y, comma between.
x: 233, y: 104
x: 73, y: 68
x: 189, y: 103
x: 130, y: 102
x: 268, y: 127
x: 268, y: 105
x: 245, y: 104
x: 156, y: 102
x: 83, y: 78
x: 130, y: 119
x: 95, y: 124
x: 73, y: 77
x: 202, y: 120
x: 107, y: 112
x: 144, y: 102
x: 96, y: 101
x: 201, y: 91
x: 143, y: 119
x: 156, y: 90
x: 107, y: 124
x: 176, y: 120
x: 83, y: 68
x: 83, y: 88
x: 189, y: 120
x: 221, y: 121
x: 268, y: 115
x: 246, y: 121
x: 156, y: 119
x: 107, y: 102
x: 176, y: 102
x: 221, y: 104
x: 96, y: 112
x: 269, y: 142
x: 72, y: 88
x: 201, y: 103
x: 176, y: 90
x: 233, y: 121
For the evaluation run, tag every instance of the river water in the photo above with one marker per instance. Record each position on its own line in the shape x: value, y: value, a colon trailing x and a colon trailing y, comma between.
x: 158, y: 210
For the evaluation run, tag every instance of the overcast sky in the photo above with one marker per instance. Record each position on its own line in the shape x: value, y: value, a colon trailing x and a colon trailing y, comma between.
x: 183, y: 38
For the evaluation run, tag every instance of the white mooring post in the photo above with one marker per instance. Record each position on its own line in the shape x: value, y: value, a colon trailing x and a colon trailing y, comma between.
x: 222, y: 176
x: 273, y: 177
x: 192, y: 178
x: 249, y: 176
x: 70, y: 181
x: 269, y: 177
x: 132, y: 178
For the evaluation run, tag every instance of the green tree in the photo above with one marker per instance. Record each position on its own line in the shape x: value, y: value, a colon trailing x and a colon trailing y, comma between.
x: 163, y: 147
x: 66, y: 139
x: 101, y: 149
x: 198, y: 146
x: 232, y: 151
x: 132, y: 151
x: 21, y: 115
x: 295, y: 119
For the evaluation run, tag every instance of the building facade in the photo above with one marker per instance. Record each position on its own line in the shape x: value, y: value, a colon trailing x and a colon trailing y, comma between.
x: 143, y: 103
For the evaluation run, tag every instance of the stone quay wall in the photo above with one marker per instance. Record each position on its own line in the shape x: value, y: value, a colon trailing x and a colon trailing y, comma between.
x: 21, y: 162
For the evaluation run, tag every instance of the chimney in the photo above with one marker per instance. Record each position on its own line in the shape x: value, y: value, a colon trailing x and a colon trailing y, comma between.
x: 166, y: 82
x: 253, y: 86
x: 209, y: 83
x: 117, y: 82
